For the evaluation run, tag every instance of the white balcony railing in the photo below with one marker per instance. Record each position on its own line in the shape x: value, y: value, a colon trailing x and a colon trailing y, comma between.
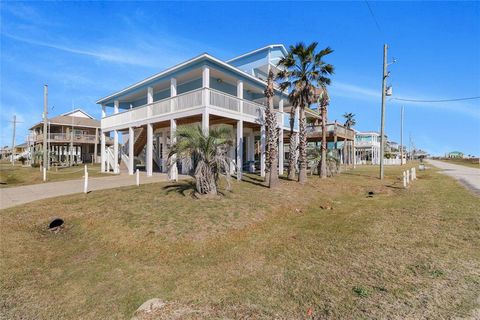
x: 190, y: 100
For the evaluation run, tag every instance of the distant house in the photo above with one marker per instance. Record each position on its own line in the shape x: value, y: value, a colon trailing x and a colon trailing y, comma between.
x: 72, y: 137
x: 455, y: 154
x: 367, y: 147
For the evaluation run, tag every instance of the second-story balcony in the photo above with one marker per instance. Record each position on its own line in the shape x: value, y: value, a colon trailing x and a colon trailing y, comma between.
x: 191, y: 101
x: 333, y: 129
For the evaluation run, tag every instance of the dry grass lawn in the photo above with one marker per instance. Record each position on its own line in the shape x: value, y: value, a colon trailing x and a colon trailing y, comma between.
x: 255, y: 253
x: 472, y: 163
x: 18, y: 175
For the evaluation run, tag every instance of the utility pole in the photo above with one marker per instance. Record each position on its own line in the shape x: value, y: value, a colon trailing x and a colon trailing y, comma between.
x: 401, y: 135
x: 382, y: 126
x: 45, y: 130
x: 13, y: 139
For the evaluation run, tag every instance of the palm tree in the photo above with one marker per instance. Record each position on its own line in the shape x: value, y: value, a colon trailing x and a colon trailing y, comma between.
x: 303, y: 70
x: 272, y: 135
x: 207, y: 152
x: 323, y: 101
x: 349, y: 122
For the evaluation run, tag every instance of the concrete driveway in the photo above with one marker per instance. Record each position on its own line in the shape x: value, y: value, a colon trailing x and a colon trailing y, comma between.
x: 10, y: 197
x: 468, y: 177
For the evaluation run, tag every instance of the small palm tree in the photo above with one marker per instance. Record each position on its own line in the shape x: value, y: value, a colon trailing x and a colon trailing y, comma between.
x: 303, y: 71
x: 206, y: 152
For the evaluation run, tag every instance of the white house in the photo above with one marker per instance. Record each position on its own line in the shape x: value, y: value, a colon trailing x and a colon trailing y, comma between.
x: 205, y: 91
x: 367, y: 147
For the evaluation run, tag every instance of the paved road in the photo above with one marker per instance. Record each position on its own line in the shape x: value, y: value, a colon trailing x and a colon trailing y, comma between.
x: 10, y: 197
x: 467, y: 176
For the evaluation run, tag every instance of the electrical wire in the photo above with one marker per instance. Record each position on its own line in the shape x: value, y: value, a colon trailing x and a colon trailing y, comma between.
x: 373, y: 16
x: 444, y: 100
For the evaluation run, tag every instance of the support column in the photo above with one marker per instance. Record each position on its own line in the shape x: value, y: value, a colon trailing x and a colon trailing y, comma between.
x: 131, y: 143
x: 115, y: 152
x: 173, y: 170
x: 149, y: 95
x: 240, y: 95
x: 116, y: 106
x: 205, y: 121
x: 173, y: 93
x: 262, y: 150
x: 206, y: 84
x: 239, y: 149
x: 104, y: 111
x: 149, y: 153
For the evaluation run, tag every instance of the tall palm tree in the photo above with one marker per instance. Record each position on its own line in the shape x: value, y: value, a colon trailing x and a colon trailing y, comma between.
x: 207, y: 152
x: 349, y: 122
x: 272, y: 135
x: 349, y: 119
x: 303, y: 71
x: 323, y: 101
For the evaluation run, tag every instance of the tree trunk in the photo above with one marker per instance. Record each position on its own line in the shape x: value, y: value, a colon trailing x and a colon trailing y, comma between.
x: 292, y: 158
x: 302, y: 147
x: 272, y: 135
x: 323, y: 163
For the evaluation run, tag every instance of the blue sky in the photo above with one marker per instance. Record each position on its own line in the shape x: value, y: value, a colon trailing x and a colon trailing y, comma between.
x: 86, y: 50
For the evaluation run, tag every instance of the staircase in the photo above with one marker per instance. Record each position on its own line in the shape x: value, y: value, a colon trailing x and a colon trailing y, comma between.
x: 140, y: 135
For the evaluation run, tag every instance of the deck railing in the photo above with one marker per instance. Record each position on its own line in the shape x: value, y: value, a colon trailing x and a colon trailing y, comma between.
x: 190, y: 100
x: 67, y: 137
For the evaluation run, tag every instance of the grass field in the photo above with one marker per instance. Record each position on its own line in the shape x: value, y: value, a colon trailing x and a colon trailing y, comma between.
x: 326, y: 247
x: 18, y: 175
x: 473, y: 163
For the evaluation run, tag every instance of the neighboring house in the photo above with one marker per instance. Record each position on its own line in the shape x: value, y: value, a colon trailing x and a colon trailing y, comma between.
x: 72, y: 137
x: 367, y: 147
x: 20, y: 151
x: 455, y: 154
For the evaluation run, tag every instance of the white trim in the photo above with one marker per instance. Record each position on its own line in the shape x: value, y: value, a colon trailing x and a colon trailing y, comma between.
x: 179, y: 66
x: 77, y: 110
x: 271, y: 46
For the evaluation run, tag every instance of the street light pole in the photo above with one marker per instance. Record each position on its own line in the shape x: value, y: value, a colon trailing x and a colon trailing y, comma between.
x: 401, y: 135
x: 45, y: 130
x: 13, y: 139
x: 382, y: 127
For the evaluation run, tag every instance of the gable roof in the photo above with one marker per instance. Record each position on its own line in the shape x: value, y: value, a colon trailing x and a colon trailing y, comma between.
x: 66, y: 120
x: 76, y: 111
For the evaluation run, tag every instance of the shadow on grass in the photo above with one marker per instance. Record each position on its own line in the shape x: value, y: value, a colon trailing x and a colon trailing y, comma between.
x: 254, y: 179
x: 184, y: 188
x: 188, y: 188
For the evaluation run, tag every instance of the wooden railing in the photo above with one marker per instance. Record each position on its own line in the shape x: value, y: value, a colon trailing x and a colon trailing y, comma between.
x: 67, y: 137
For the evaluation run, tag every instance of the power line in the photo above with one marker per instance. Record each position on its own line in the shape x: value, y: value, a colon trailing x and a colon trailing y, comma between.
x: 444, y: 100
x: 373, y: 16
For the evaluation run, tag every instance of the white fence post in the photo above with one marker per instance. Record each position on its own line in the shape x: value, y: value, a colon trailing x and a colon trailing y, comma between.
x: 137, y: 176
x: 85, y: 184
x: 408, y: 177
x: 44, y: 174
x: 414, y: 172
